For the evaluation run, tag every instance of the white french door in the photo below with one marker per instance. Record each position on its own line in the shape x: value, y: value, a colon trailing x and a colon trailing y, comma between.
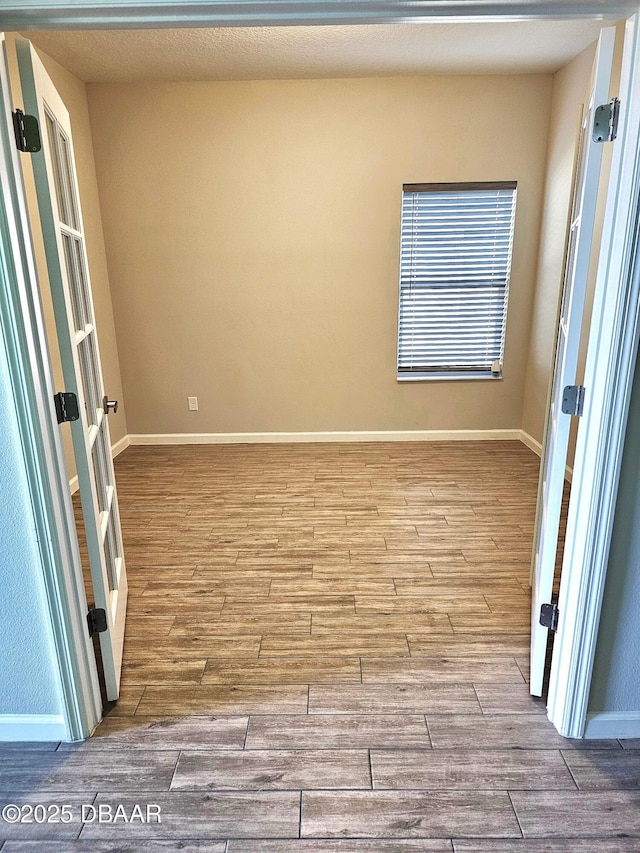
x: 61, y: 217
x: 556, y: 439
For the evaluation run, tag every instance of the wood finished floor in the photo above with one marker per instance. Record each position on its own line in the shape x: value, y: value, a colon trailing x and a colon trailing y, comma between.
x: 327, y: 652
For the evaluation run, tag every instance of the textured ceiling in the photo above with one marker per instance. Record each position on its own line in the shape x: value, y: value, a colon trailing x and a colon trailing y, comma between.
x: 256, y: 53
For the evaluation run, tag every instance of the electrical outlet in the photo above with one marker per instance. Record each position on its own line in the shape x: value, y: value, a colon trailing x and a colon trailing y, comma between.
x: 193, y: 404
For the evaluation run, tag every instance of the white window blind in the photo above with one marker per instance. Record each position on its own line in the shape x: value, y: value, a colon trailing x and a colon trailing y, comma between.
x: 455, y: 265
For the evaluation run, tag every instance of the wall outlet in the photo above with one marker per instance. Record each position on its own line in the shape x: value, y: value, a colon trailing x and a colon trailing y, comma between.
x: 193, y: 404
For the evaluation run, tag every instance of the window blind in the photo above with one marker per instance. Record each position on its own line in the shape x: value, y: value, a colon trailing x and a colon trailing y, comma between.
x: 455, y: 265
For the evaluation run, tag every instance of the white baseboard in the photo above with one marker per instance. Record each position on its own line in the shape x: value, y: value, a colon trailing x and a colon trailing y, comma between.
x: 534, y: 444
x: 32, y: 727
x: 299, y: 437
x: 613, y: 724
x: 119, y: 446
x: 116, y: 450
x: 531, y: 442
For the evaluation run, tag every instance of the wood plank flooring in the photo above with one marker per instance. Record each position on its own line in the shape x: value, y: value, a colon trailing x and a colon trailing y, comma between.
x: 327, y: 652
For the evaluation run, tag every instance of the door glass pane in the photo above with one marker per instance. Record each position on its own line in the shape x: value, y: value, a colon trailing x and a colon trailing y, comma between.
x: 95, y: 369
x: 52, y: 135
x: 100, y: 458
x: 569, y: 275
x: 88, y: 381
x: 77, y: 306
x: 576, y: 201
x: 111, y: 555
x: 101, y: 490
x: 67, y: 179
x: 104, y: 456
x: 83, y: 281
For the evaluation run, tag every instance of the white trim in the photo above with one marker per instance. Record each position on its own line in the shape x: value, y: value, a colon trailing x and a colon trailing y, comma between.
x: 114, y: 14
x: 535, y: 445
x: 301, y: 437
x: 531, y: 442
x: 32, y: 728
x: 151, y: 439
x: 612, y: 724
x: 116, y: 450
x: 119, y: 446
x: 611, y: 357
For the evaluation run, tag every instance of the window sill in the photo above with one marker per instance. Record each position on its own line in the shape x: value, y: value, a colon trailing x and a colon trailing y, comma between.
x: 447, y: 376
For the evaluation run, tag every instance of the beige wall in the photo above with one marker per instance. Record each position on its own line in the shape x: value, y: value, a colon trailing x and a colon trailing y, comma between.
x: 252, y: 234
x: 73, y: 93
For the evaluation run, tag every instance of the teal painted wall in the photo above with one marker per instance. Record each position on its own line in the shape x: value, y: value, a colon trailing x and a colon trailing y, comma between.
x: 615, y: 685
x: 29, y: 681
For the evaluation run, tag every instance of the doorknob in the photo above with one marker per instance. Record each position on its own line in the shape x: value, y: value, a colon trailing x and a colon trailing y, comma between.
x: 109, y: 405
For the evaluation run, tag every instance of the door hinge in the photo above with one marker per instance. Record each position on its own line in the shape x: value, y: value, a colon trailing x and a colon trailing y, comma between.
x: 97, y: 620
x: 27, y: 132
x: 66, y: 404
x: 549, y: 615
x: 605, y: 125
x: 573, y: 400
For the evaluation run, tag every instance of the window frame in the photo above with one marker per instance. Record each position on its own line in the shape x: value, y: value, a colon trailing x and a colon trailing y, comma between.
x: 450, y: 372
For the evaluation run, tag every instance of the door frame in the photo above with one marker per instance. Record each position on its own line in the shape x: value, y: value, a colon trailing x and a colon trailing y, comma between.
x: 609, y: 373
x: 90, y: 432
x: 580, y: 238
x: 32, y: 385
x: 136, y: 14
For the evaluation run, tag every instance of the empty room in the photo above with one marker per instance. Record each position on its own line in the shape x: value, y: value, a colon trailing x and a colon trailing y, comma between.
x: 320, y: 496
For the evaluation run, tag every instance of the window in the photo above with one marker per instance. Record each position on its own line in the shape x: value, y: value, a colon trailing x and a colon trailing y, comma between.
x: 455, y: 262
